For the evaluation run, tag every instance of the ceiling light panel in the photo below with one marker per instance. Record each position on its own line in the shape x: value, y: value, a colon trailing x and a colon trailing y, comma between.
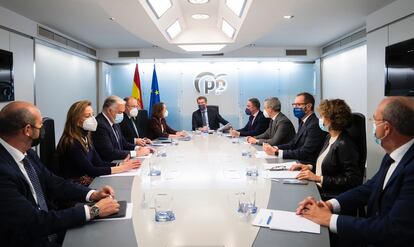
x: 198, y: 1
x: 174, y: 29
x: 194, y: 48
x: 237, y: 6
x: 159, y: 7
x: 200, y: 16
x: 228, y: 29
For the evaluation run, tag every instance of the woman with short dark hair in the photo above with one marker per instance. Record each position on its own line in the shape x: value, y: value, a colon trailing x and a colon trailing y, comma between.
x: 158, y: 125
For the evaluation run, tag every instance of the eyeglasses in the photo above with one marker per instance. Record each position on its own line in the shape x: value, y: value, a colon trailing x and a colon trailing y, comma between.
x: 41, y: 125
x: 298, y: 104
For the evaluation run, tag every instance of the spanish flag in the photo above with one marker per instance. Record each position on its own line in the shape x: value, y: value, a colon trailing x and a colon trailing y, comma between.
x: 136, y: 88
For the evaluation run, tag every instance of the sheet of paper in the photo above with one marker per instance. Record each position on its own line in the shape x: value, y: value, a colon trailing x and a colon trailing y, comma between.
x: 287, y: 165
x: 128, y: 214
x: 131, y: 173
x: 290, y: 221
x: 280, y: 174
x: 264, y: 155
x: 263, y: 216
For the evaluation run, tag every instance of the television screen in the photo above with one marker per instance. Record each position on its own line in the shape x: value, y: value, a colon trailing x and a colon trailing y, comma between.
x: 6, y: 76
x: 399, y: 61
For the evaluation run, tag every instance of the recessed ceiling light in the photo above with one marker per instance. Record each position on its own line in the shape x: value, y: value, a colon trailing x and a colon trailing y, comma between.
x: 198, y: 1
x: 288, y: 16
x: 228, y: 29
x: 192, y: 48
x: 174, y: 29
x: 159, y: 7
x: 237, y: 6
x: 200, y: 16
x: 112, y: 18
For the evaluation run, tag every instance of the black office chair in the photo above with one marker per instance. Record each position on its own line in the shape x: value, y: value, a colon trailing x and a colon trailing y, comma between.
x: 357, y: 132
x: 214, y: 107
x: 141, y: 122
x: 47, y: 146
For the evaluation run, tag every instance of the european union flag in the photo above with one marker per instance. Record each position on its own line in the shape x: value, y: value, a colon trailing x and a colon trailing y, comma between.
x: 155, y: 92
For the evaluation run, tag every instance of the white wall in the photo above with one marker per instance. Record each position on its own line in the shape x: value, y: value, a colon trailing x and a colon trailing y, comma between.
x: 22, y: 48
x: 382, y: 34
x: 344, y: 76
x: 61, y: 80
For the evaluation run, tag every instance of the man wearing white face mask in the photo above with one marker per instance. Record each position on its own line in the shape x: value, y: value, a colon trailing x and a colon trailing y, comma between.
x: 129, y: 127
x: 280, y: 128
x: 108, y: 138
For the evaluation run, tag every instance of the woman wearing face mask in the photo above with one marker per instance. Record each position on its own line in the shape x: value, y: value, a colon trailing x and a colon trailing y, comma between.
x: 337, y: 164
x: 158, y: 125
x: 78, y: 158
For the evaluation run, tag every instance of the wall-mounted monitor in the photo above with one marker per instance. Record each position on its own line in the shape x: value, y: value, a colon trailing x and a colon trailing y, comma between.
x: 399, y: 71
x: 6, y: 76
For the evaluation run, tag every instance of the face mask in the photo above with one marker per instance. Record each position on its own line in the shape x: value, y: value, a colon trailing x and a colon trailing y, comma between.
x: 119, y: 117
x: 265, y: 114
x: 133, y: 112
x: 36, y: 141
x: 166, y: 113
x: 90, y: 124
x: 298, y: 112
x: 377, y: 140
x: 202, y: 107
x: 322, y: 126
x: 248, y: 112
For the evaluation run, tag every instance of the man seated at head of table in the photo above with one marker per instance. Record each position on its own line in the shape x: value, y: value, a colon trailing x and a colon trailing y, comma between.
x: 309, y: 139
x: 337, y: 168
x: 280, y: 129
x: 108, y: 139
x: 158, y: 124
x: 79, y: 160
x: 388, y: 195
x: 257, y: 123
x: 206, y: 118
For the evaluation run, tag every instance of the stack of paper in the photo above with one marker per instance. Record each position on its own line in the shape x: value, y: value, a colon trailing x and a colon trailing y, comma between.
x: 285, y: 221
x: 280, y: 174
x: 286, y: 165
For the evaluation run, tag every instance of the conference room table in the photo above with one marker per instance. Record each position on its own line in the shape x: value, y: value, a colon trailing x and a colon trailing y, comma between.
x: 203, y: 178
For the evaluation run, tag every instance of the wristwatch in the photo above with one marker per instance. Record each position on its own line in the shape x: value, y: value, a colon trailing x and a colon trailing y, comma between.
x: 94, y: 211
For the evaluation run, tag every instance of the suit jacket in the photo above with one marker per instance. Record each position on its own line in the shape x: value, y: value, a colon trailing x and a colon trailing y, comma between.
x: 22, y: 223
x: 105, y: 141
x: 76, y: 162
x: 279, y: 131
x: 340, y: 168
x: 214, y: 119
x: 259, y: 125
x: 127, y: 129
x: 307, y: 143
x: 157, y: 130
x: 390, y: 216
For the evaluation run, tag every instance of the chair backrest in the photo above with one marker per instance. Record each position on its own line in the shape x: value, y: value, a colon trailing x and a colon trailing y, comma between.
x: 142, y: 123
x: 357, y: 132
x: 47, y: 146
x: 214, y: 107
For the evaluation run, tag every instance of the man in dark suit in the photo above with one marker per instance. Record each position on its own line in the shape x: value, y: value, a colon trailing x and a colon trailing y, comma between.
x: 26, y: 186
x: 280, y: 129
x: 388, y: 195
x: 129, y: 127
x: 206, y: 118
x: 108, y: 139
x: 257, y: 123
x: 308, y: 142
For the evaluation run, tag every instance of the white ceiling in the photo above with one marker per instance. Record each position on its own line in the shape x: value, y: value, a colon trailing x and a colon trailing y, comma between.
x: 316, y: 22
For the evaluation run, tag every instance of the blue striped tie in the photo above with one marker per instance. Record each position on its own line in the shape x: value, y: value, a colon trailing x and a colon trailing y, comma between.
x: 34, y: 179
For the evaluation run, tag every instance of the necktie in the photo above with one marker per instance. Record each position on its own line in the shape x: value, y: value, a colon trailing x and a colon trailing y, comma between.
x: 117, y: 136
x: 34, y: 179
x: 135, y: 127
x: 251, y: 122
x: 376, y: 203
x: 203, y: 116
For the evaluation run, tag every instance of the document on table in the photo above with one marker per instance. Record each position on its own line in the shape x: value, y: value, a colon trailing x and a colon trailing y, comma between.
x: 285, y: 165
x: 285, y: 221
x: 130, y: 173
x: 264, y: 155
x: 128, y: 214
x: 280, y: 174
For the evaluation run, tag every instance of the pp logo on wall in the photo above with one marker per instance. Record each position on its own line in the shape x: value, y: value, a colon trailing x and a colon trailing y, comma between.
x: 207, y: 82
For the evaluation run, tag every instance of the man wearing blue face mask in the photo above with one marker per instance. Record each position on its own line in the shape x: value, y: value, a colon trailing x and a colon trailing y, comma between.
x: 108, y: 139
x: 309, y: 139
x: 206, y: 118
x: 257, y: 123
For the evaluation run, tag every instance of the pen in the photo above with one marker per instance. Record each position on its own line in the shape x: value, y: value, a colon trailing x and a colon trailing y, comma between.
x: 270, y: 218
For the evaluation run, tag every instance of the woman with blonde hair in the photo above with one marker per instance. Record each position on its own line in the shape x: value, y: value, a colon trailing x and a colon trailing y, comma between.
x: 78, y: 158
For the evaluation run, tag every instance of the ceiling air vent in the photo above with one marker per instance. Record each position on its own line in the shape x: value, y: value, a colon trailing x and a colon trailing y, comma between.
x: 213, y: 55
x: 128, y: 53
x: 65, y: 42
x: 296, y: 52
x: 345, y: 42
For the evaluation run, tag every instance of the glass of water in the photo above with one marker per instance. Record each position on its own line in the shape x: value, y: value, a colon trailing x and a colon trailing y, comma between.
x: 163, y: 208
x: 154, y: 169
x: 247, y: 203
x: 252, y: 171
x: 235, y: 140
